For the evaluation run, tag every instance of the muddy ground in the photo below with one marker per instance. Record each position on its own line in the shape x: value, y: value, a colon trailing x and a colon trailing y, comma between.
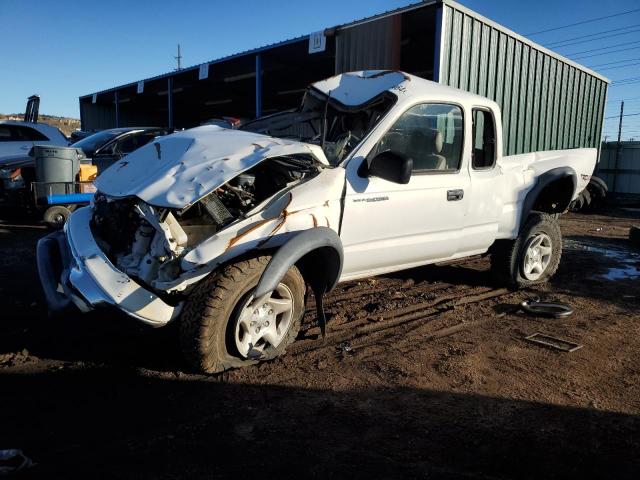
x: 424, y: 374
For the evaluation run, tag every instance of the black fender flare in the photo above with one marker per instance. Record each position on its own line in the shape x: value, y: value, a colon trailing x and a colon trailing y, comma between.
x: 544, y: 180
x: 315, y: 245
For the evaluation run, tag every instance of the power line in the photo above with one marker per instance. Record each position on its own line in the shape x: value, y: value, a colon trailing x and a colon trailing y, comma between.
x: 604, y: 48
x: 583, y: 22
x: 614, y: 103
x: 621, y: 66
x: 624, y: 81
x: 593, y: 34
x: 625, y: 115
x: 603, y: 53
x: 591, y: 39
x: 611, y: 63
x: 623, y: 84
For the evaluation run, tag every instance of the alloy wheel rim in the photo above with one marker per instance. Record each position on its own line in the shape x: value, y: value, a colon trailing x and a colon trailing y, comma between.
x: 261, y: 326
x: 537, y: 256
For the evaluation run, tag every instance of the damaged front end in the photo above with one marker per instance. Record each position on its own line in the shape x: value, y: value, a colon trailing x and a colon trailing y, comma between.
x: 148, y: 243
x: 145, y: 258
x: 172, y: 212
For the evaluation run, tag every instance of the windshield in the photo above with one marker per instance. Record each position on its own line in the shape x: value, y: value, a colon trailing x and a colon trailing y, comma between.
x: 90, y: 144
x: 321, y: 121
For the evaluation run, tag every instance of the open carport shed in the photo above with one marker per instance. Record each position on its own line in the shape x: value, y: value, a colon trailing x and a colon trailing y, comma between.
x: 547, y: 100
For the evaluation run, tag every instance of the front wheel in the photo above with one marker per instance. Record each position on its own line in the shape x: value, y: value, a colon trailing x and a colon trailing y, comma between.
x: 220, y: 327
x: 533, y: 257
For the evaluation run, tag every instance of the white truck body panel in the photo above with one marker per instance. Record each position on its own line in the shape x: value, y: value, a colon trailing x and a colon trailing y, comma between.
x: 383, y: 226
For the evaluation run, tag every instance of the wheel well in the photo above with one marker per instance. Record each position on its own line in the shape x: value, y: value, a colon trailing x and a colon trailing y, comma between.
x: 556, y: 196
x: 316, y: 252
x: 321, y: 266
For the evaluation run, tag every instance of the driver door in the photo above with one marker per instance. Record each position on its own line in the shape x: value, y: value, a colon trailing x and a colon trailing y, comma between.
x: 389, y: 226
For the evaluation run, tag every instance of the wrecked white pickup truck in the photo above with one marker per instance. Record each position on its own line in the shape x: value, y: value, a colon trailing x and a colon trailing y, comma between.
x: 222, y: 230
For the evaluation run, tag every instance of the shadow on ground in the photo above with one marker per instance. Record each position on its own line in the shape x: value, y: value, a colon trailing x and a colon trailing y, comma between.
x: 102, y: 423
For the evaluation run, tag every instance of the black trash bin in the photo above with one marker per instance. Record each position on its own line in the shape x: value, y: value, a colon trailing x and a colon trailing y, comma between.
x: 56, y: 168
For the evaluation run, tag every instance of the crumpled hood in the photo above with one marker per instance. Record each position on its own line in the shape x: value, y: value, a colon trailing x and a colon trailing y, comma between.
x: 179, y: 169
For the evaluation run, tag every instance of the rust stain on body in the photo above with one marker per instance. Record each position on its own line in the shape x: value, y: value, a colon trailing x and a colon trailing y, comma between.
x: 240, y: 236
x: 282, y: 217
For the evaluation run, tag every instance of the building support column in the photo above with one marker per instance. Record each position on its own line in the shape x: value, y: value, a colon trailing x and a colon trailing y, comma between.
x: 258, y: 86
x: 116, y: 99
x: 437, y: 47
x: 170, y: 102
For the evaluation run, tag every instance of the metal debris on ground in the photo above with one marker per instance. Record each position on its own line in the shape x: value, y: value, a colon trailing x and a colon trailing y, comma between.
x: 553, y: 342
x: 13, y: 461
x: 547, y: 309
x: 344, y: 347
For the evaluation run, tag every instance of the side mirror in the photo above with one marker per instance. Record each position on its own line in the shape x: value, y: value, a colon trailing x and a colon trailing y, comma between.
x: 391, y: 166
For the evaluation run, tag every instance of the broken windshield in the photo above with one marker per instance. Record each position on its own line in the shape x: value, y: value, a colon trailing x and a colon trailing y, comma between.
x: 322, y: 121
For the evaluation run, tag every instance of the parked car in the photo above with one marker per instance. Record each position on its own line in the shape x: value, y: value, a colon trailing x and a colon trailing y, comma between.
x: 108, y: 146
x: 17, y: 138
x: 13, y: 189
x: 222, y: 230
x: 78, y: 135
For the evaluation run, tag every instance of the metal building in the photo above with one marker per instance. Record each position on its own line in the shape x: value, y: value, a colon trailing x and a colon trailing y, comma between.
x: 619, y: 167
x: 547, y: 100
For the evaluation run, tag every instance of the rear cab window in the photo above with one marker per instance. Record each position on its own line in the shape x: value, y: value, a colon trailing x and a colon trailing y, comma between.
x: 483, y: 153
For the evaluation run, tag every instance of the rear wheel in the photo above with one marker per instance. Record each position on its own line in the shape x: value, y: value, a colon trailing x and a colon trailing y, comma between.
x: 533, y: 257
x: 220, y: 327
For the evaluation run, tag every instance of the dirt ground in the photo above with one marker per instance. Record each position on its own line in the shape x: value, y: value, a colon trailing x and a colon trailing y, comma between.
x: 424, y: 374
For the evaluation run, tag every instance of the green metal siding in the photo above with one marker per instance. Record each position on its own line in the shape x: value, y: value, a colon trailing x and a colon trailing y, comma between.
x: 547, y: 101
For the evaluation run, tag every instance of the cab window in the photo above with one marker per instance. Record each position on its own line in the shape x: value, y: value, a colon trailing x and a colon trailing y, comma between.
x: 28, y: 134
x: 484, y: 140
x: 431, y: 134
x: 5, y: 134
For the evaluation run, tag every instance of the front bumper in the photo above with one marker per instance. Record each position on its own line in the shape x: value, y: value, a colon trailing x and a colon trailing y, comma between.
x: 74, y: 271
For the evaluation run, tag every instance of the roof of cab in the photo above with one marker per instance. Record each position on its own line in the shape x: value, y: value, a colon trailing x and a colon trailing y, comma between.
x: 354, y: 89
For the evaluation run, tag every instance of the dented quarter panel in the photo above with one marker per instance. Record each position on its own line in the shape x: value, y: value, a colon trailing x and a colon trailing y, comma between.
x: 177, y: 170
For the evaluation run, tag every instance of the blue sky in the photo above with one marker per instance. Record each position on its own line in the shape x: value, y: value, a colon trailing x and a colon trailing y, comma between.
x: 65, y: 49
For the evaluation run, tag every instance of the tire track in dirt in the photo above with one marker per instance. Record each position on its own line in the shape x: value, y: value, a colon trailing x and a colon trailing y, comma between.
x: 395, y: 322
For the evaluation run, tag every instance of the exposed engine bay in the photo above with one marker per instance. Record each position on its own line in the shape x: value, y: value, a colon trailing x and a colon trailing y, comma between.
x: 147, y: 242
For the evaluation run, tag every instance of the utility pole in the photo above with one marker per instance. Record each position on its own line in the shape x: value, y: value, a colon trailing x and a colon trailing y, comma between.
x: 179, y: 58
x: 619, y: 149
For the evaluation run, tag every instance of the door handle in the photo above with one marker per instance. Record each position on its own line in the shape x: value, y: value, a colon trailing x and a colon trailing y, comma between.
x: 454, y: 195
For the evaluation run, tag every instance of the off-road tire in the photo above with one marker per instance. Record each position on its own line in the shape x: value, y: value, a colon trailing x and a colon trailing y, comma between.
x: 507, y: 255
x: 206, y: 324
